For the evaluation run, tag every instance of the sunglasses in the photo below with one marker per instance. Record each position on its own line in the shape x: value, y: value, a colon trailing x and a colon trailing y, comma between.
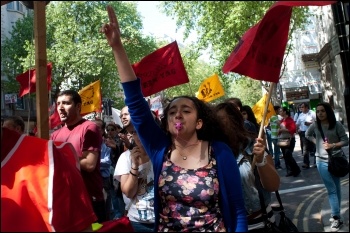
x: 110, y: 130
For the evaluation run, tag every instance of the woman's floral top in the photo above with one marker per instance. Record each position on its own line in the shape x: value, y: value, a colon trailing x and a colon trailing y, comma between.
x: 190, y: 198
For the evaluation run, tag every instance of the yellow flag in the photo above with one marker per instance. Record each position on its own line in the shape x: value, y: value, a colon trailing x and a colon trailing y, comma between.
x: 91, y: 98
x: 210, y: 89
x: 258, y: 110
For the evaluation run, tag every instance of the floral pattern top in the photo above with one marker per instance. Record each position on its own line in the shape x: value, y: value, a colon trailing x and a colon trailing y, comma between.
x: 190, y: 198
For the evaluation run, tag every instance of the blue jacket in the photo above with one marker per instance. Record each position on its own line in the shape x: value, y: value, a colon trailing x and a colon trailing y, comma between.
x: 156, y: 143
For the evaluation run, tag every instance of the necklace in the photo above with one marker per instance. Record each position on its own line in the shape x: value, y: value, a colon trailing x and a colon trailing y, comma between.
x: 184, y: 157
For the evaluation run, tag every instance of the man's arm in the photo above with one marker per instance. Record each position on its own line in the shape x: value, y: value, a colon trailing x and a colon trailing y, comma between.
x: 88, y: 160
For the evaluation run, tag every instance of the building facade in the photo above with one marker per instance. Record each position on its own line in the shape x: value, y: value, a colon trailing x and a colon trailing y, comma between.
x: 11, y: 104
x: 314, y: 72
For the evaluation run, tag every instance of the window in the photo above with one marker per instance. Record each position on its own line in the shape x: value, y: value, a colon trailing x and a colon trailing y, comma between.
x: 19, y: 7
x: 15, y: 6
x: 20, y: 103
x: 10, y: 6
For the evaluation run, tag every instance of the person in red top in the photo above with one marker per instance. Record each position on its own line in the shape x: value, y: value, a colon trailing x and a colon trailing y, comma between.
x: 287, y: 130
x: 86, y: 138
x: 40, y: 190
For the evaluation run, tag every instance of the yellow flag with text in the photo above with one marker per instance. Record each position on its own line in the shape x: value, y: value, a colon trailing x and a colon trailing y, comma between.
x: 91, y: 98
x: 210, y: 89
x: 258, y: 110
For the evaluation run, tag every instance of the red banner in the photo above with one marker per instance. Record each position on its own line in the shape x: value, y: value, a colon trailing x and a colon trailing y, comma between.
x: 259, y: 54
x: 30, y: 76
x: 161, y: 69
x: 54, y: 119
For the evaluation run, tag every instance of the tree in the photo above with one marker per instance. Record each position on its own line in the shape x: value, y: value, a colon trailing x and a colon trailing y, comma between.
x: 13, y: 51
x: 220, y: 24
x: 247, y: 89
x: 79, y: 53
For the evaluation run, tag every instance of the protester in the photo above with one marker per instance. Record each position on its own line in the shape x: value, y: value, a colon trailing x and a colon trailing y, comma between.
x: 287, y: 130
x: 295, y: 118
x: 15, y: 123
x: 274, y: 123
x: 41, y: 191
x: 337, y: 138
x: 86, y: 139
x: 248, y: 114
x: 105, y: 167
x: 115, y: 142
x: 263, y: 165
x: 247, y: 124
x: 127, y: 127
x: 198, y: 184
x: 135, y: 172
x: 305, y: 119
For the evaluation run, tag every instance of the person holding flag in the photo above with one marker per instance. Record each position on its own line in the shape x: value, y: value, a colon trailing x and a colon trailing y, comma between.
x: 191, y: 166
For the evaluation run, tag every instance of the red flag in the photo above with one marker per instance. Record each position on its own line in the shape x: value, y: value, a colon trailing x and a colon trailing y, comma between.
x: 259, y: 54
x: 55, y: 119
x: 161, y: 69
x: 24, y: 78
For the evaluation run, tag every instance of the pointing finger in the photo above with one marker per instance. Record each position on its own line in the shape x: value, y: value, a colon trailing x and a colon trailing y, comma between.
x: 111, y: 15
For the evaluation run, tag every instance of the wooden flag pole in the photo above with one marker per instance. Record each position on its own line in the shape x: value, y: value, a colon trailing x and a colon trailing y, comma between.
x: 265, y: 109
x: 42, y: 112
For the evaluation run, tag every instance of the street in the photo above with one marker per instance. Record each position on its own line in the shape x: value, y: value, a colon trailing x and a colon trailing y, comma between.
x: 305, y: 198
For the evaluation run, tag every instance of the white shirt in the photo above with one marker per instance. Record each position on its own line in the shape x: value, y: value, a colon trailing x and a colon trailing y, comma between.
x: 141, y: 208
x: 310, y: 116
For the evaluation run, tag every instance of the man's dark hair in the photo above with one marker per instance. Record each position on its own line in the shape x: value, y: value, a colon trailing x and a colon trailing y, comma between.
x: 276, y: 107
x: 17, y: 121
x: 306, y: 105
x: 74, y: 94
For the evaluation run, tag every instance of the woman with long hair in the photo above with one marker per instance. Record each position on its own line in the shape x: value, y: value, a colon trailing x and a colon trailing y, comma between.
x: 335, y: 139
x: 197, y: 182
x: 253, y: 166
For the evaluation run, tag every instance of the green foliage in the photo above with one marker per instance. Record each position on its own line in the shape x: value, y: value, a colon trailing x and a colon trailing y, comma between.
x: 220, y: 24
x: 12, y: 51
x: 78, y: 51
x: 247, y: 89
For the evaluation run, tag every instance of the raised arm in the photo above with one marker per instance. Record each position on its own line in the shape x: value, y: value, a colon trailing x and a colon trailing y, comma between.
x: 112, y: 33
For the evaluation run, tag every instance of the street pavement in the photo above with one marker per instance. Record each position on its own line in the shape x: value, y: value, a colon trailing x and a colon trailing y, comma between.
x: 325, y: 208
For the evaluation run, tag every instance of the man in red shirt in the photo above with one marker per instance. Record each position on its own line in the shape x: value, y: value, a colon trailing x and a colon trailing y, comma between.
x: 40, y: 190
x: 86, y: 139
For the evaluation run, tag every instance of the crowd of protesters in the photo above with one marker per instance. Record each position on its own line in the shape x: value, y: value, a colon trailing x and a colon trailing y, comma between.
x: 191, y: 169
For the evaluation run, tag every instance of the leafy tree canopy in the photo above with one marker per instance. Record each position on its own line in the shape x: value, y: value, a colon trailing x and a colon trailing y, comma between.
x: 79, y: 53
x: 219, y: 26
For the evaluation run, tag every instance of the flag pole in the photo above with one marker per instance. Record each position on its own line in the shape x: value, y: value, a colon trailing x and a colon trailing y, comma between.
x: 272, y: 84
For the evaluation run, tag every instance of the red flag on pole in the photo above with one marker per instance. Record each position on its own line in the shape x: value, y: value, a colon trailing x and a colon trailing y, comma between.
x: 30, y: 76
x: 259, y: 54
x: 161, y: 69
x: 55, y: 119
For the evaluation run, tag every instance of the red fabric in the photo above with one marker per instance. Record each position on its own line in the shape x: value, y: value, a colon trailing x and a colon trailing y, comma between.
x: 23, y: 80
x: 259, y: 54
x: 28, y: 201
x: 55, y: 119
x: 289, y: 123
x: 119, y: 225
x: 161, y: 69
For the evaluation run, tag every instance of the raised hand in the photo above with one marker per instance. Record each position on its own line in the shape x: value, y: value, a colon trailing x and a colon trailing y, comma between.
x: 111, y: 29
x: 135, y: 155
